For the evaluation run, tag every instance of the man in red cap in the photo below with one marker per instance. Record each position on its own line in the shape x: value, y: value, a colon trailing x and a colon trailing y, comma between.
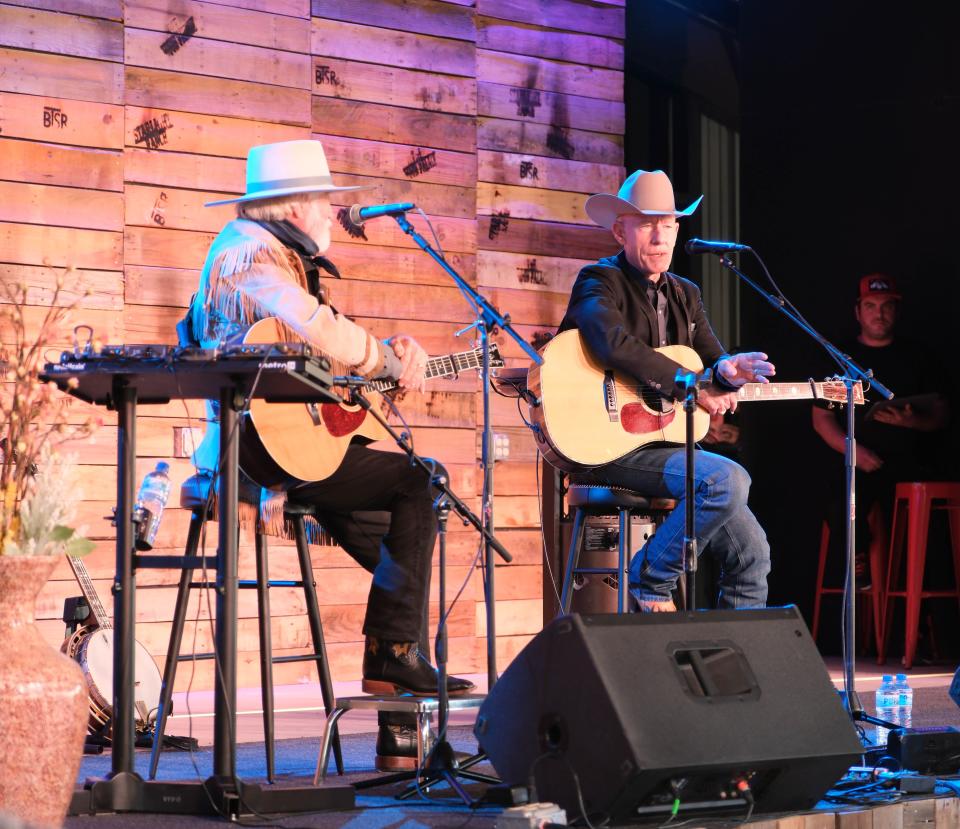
x: 893, y: 438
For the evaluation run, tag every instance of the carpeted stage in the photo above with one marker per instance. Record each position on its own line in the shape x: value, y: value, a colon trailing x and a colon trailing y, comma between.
x: 378, y: 809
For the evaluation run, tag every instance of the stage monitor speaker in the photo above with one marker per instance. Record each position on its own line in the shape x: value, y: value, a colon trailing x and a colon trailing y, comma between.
x: 639, y: 711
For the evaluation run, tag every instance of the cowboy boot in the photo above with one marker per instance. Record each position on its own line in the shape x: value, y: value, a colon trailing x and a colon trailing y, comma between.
x: 400, y: 668
x: 397, y: 742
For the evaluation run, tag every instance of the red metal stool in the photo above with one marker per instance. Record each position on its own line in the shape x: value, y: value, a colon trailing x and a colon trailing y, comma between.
x: 912, y: 506
x: 873, y: 596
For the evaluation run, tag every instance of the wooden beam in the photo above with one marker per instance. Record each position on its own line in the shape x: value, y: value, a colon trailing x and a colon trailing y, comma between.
x: 61, y: 121
x: 41, y: 163
x: 378, y: 84
x: 267, y: 26
x: 333, y: 39
x: 534, y: 40
x: 431, y: 130
x: 218, y: 59
x: 216, y: 96
x: 427, y: 17
x: 80, y: 79
x: 61, y: 34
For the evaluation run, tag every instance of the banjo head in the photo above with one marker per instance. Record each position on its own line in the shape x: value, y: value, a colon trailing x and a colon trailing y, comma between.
x: 95, y: 656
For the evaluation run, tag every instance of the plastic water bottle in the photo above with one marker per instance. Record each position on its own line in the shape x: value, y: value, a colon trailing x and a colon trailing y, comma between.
x: 885, y: 702
x: 152, y: 498
x: 904, y: 709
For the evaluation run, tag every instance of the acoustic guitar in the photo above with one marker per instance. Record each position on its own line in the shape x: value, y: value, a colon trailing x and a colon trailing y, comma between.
x: 284, y: 444
x: 92, y: 646
x: 588, y: 416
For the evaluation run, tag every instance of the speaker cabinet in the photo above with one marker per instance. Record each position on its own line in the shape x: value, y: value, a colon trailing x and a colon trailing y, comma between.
x: 638, y: 711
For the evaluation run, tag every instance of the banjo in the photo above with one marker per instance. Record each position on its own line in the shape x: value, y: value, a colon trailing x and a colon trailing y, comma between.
x: 92, y: 646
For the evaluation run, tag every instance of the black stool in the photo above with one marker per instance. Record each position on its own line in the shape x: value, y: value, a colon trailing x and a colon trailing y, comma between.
x: 194, y: 495
x: 597, y: 499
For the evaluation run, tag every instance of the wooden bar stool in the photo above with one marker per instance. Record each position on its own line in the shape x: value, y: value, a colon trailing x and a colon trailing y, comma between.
x: 873, y: 596
x: 595, y: 499
x: 912, y: 507
x: 194, y: 495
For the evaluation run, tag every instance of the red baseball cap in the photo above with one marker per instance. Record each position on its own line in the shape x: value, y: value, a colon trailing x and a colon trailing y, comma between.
x: 878, y: 284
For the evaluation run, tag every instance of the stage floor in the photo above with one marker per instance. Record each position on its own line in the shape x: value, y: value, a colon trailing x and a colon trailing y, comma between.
x: 299, y: 708
x: 299, y: 724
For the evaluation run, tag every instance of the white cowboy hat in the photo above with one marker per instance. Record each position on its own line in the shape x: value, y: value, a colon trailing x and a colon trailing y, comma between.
x: 643, y: 192
x: 284, y: 169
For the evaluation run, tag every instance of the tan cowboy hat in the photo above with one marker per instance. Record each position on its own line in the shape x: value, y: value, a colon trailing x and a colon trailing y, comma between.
x: 648, y: 192
x: 285, y: 169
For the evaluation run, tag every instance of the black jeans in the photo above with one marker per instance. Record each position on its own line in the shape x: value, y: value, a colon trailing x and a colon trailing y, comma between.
x: 379, y: 508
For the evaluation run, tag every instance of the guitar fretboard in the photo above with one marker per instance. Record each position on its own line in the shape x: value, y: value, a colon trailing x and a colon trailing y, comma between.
x: 446, y: 366
x: 453, y: 364
x: 810, y: 390
x: 779, y: 391
x: 90, y: 593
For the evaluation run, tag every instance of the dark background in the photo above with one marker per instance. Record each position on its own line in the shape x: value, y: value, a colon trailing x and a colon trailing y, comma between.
x: 848, y: 118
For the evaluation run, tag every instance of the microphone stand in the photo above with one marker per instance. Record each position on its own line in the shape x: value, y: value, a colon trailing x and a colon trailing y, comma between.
x: 852, y: 373
x: 691, y: 383
x: 442, y: 763
x: 488, y: 320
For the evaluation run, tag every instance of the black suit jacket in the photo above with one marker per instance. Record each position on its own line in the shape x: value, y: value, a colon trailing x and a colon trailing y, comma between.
x: 618, y: 323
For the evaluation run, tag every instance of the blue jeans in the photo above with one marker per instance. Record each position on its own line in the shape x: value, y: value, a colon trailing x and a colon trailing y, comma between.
x: 725, y: 527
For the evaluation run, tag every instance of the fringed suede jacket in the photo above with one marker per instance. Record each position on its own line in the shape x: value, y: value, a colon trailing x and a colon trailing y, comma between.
x: 248, y: 275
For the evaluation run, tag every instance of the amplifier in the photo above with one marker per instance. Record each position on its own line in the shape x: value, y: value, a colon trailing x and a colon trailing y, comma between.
x: 927, y: 750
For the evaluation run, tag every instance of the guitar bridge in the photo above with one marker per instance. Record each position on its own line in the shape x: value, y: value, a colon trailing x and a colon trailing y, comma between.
x: 610, y: 396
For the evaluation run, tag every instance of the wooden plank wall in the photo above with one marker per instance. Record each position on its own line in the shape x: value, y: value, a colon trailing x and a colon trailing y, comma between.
x: 118, y: 120
x: 549, y: 131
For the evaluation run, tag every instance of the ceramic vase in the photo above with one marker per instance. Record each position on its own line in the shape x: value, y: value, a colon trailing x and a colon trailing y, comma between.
x: 43, y: 703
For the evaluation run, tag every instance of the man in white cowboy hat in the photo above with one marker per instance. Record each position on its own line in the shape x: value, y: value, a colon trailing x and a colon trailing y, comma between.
x: 378, y: 507
x: 626, y: 306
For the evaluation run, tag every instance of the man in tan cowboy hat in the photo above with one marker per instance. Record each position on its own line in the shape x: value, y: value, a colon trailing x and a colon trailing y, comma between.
x: 379, y: 508
x: 625, y: 307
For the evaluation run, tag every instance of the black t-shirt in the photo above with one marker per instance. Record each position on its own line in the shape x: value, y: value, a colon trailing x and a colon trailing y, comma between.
x: 907, y: 368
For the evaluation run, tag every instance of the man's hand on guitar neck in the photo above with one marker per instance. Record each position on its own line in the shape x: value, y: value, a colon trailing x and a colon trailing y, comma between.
x: 413, y: 361
x: 749, y: 367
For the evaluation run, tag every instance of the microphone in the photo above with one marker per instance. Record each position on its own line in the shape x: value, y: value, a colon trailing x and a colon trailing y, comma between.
x: 358, y: 215
x: 703, y: 246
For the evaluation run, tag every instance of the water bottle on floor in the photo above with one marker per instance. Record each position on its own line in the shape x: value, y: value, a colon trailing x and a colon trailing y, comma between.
x: 904, y: 716
x: 152, y: 498
x: 885, y: 700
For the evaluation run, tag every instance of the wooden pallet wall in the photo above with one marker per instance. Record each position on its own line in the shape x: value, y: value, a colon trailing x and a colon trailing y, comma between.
x: 549, y: 132
x: 118, y: 120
